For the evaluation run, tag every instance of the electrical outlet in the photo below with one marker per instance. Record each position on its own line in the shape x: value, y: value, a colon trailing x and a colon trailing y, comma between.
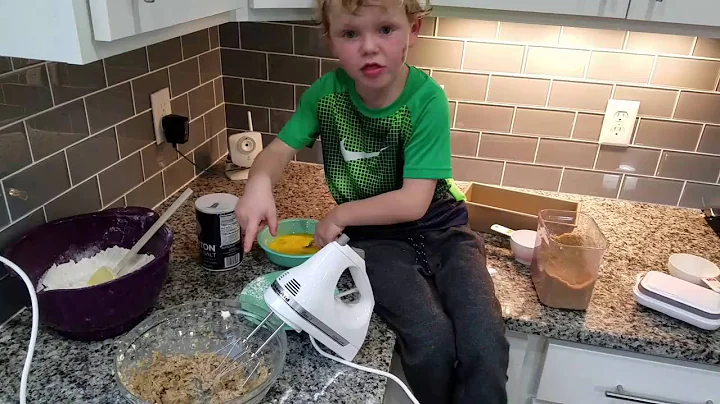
x: 160, y: 101
x: 619, y: 122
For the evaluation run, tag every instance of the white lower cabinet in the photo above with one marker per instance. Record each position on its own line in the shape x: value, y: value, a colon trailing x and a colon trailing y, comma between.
x: 580, y: 374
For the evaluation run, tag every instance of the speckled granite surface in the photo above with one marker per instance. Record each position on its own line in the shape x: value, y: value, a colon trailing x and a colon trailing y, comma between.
x: 641, y: 238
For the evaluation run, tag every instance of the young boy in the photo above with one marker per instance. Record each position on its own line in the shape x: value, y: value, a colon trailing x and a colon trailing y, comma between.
x: 385, y: 131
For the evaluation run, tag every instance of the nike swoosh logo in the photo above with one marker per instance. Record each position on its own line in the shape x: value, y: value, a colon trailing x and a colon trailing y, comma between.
x: 353, y: 156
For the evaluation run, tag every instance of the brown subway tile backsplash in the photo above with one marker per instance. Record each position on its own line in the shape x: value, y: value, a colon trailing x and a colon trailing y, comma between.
x: 214, y: 37
x: 206, y: 154
x: 518, y: 90
x: 109, y: 107
x: 702, y: 107
x: 230, y: 35
x: 689, y: 166
x: 119, y: 203
x: 528, y: 33
x: 328, y: 65
x: 23, y: 93
x: 593, y: 183
x: 73, y: 81
x: 126, y: 66
x: 163, y: 54
x: 646, y: 42
x: 93, y: 154
x: 120, y: 178
x: 271, y: 95
x: 5, y: 65
x: 587, y: 126
x: 233, y: 90
x: 507, y: 147
x: 144, y: 86
x: 464, y: 143
x: 236, y: 116
x: 472, y: 29
x: 177, y: 175
x: 149, y: 194
x: 210, y: 67
x: 574, y: 37
x: 223, y: 142
x: 158, y: 157
x: 215, y: 121
x: 238, y: 63
x: 582, y: 96
x: 530, y: 176
x: 266, y: 37
x: 492, y: 57
x: 628, y: 160
x: 40, y: 182
x: 484, y: 117
x: 180, y: 105
x: 427, y: 26
x: 184, y: 76
x: 440, y: 53
x: 309, y: 42
x: 136, y: 133
x: 605, y: 66
x: 546, y: 61
x: 219, y: 91
x: 15, y: 150
x: 653, y: 101
x: 710, y: 141
x: 463, y: 86
x: 668, y: 134
x: 700, y: 195
x: 543, y: 122
x: 202, y: 100
x: 483, y: 171
x: 707, y: 47
x: 84, y: 198
x: 278, y: 119
x: 56, y: 129
x: 651, y: 190
x: 293, y: 69
x: 566, y: 153
x: 686, y: 73
x: 195, y: 43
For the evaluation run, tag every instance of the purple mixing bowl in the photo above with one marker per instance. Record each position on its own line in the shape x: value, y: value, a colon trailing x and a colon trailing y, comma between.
x: 103, y: 311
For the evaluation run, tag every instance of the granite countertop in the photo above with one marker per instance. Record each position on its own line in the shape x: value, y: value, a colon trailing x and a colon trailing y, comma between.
x: 641, y: 238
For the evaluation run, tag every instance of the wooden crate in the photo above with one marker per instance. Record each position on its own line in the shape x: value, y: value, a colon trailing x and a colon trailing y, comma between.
x: 489, y: 204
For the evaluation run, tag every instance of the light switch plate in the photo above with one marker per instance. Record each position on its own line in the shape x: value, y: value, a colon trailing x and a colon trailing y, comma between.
x: 619, y: 122
x: 160, y: 101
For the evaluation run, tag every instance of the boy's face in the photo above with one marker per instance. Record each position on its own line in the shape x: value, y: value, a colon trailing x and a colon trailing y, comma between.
x: 372, y: 43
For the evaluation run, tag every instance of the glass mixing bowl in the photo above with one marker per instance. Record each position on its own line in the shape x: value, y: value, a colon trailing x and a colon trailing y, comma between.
x: 198, y: 328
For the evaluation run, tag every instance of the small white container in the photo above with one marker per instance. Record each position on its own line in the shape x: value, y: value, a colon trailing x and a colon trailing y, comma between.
x: 692, y: 268
x: 522, y: 242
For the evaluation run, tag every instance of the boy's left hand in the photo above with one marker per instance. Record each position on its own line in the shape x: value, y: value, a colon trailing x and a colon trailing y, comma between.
x: 329, y: 228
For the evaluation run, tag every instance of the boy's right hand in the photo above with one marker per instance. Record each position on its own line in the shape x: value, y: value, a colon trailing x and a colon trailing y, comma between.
x: 255, y: 210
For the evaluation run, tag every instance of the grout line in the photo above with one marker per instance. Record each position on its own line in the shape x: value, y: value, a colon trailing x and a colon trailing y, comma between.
x: 52, y: 93
x: 562, y: 33
x: 625, y: 40
x: 572, y: 128
x: 562, y: 174
x: 454, y: 121
x: 267, y: 68
x: 526, y: 54
x: 142, y: 165
x: 537, y: 148
x: 27, y: 138
x: 657, y: 167
x: 497, y: 32
x: 487, y: 88
x: 652, y: 70
x: 477, y: 148
x: 586, y: 68
x: 718, y: 179
x: 242, y: 84
x: 717, y: 82
x: 462, y: 56
x: 694, y: 46
x: 702, y: 133
x: 132, y: 94
x: 620, y: 186
x: 512, y: 120
x: 682, y: 191
x: 147, y: 57
x: 7, y: 206
x: 107, y: 82
x: 502, y: 174
x: 45, y: 213
x: 436, y: 28
x: 182, y: 48
x: 597, y: 156
x: 547, y: 99
x: 67, y: 166
x: 677, y: 101
x: 97, y: 178
x: 292, y: 38
x: 612, y: 91
x: 162, y: 181
x: 636, y: 129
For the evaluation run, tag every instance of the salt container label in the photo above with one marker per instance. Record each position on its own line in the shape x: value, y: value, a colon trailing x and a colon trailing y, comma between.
x: 219, y: 241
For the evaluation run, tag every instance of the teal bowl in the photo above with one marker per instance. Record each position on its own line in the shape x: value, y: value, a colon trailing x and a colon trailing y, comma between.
x: 287, y: 226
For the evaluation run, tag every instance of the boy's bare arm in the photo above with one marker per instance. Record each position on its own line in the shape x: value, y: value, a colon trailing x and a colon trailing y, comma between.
x: 409, y: 203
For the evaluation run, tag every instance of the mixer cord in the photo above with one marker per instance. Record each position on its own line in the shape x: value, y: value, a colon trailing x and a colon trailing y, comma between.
x: 34, y: 330
x: 364, y: 369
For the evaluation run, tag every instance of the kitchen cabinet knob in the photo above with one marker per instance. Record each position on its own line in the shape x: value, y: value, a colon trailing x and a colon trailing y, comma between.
x: 620, y: 393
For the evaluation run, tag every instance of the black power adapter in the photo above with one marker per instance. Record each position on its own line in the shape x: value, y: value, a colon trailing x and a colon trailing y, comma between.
x: 176, y: 128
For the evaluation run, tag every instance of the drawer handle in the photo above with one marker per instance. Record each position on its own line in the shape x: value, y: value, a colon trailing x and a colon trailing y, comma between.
x: 620, y: 394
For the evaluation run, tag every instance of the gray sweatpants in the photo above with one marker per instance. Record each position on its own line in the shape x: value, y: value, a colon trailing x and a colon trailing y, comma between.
x: 435, y: 292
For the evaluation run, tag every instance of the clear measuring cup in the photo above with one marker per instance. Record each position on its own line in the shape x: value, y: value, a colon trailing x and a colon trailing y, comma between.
x: 568, y: 252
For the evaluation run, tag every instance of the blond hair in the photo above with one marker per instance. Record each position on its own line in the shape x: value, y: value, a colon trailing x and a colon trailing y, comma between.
x: 413, y: 9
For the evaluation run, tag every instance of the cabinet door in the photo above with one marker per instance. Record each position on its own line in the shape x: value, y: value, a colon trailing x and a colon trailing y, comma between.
x: 692, y: 12
x: 115, y: 19
x: 259, y: 4
x: 595, y: 8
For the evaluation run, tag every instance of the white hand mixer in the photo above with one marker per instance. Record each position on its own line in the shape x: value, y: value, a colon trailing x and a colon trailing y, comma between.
x: 303, y: 298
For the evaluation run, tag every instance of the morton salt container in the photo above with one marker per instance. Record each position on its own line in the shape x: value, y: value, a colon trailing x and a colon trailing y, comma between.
x: 218, y: 232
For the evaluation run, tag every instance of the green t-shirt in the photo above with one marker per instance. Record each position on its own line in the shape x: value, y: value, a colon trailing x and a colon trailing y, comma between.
x: 367, y: 152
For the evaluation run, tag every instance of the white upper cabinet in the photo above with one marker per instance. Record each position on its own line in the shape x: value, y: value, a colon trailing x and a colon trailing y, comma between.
x: 691, y: 12
x: 300, y: 4
x: 590, y: 8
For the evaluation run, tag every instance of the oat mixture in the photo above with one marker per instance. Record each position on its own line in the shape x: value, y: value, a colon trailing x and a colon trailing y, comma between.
x: 188, y: 379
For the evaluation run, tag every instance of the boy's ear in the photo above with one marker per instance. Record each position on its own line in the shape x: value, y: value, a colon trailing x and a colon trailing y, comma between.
x: 415, y: 31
